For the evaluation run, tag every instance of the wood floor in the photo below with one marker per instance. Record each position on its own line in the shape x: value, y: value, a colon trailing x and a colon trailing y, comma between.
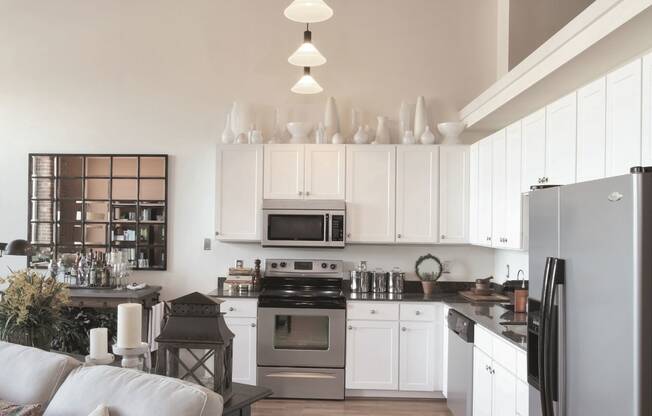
x: 351, y: 407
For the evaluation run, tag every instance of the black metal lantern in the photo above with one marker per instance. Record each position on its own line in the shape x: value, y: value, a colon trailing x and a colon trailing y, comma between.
x: 196, y: 323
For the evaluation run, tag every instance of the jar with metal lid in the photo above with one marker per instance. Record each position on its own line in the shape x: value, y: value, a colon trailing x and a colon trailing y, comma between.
x: 379, y: 281
x: 396, y: 281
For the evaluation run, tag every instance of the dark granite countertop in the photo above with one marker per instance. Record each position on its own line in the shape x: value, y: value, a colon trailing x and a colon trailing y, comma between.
x: 490, y: 316
x: 220, y: 293
x: 85, y: 292
x: 405, y: 297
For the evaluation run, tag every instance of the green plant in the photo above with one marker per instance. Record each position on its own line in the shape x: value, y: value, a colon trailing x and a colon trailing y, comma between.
x: 77, y: 323
x: 30, y: 310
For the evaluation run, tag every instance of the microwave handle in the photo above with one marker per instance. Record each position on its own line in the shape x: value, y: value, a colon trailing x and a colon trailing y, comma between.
x: 327, y: 228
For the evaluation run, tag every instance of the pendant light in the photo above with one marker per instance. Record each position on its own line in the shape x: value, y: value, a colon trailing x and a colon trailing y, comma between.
x: 308, y: 11
x: 307, y: 54
x: 306, y: 84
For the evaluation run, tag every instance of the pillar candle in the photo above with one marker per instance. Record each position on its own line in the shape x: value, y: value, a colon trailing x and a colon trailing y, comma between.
x: 99, y: 343
x: 129, y: 325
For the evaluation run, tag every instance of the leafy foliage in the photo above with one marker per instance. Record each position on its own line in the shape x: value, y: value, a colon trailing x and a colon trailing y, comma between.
x: 76, y: 325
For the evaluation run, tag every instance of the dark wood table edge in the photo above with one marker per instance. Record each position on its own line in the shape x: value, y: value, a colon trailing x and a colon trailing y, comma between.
x: 241, y: 406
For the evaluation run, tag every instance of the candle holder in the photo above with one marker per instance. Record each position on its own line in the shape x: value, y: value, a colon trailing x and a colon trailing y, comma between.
x: 106, y: 360
x: 131, y: 357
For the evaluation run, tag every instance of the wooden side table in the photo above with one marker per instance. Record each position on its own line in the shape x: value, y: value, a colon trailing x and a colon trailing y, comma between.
x: 244, y: 396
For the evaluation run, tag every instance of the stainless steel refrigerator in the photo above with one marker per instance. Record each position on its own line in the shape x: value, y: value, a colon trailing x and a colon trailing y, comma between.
x: 590, y: 314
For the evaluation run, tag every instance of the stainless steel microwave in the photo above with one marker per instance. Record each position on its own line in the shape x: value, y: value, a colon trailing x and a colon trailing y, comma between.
x: 303, y: 223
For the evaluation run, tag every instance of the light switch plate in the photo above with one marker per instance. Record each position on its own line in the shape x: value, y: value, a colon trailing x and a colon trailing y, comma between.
x: 207, y: 244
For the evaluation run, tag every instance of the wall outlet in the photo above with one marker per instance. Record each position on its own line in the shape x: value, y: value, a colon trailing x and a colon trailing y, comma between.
x: 207, y: 244
x: 446, y: 267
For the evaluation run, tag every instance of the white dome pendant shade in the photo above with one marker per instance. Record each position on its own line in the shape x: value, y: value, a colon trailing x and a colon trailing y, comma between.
x: 307, y: 54
x: 308, y: 11
x: 307, y: 84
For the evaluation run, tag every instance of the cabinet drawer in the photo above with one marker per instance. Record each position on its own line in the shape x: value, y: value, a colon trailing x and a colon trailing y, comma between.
x: 521, y: 365
x: 504, y: 354
x: 375, y: 311
x: 484, y: 340
x: 420, y: 312
x: 242, y: 308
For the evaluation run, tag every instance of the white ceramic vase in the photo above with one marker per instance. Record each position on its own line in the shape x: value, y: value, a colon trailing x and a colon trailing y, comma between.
x: 320, y: 134
x: 241, y: 118
x: 355, y: 122
x: 338, y: 138
x: 420, y: 117
x: 427, y: 137
x: 408, y: 138
x: 277, y: 133
x: 361, y: 136
x: 382, y: 131
x: 404, y: 116
x: 451, y: 132
x: 331, y: 118
x: 227, y: 135
x: 256, y: 137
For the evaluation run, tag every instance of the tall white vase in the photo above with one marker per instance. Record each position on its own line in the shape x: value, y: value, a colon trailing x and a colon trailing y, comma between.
x: 420, y: 117
x: 227, y: 135
x: 277, y: 132
x: 356, y: 122
x: 331, y: 118
x: 404, y: 119
x: 382, y: 131
x: 241, y: 118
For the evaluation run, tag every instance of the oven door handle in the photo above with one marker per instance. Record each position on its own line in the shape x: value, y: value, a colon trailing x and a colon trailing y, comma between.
x: 297, y: 374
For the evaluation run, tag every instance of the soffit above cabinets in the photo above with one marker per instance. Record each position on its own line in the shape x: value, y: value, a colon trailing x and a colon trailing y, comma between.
x: 604, y: 36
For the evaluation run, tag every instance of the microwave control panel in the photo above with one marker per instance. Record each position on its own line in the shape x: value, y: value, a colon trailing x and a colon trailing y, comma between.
x: 337, y: 229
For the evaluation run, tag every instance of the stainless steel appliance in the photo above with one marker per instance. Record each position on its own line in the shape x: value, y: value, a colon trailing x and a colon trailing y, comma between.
x: 396, y: 282
x: 301, y: 329
x: 590, y: 314
x: 460, y: 364
x: 379, y: 281
x: 303, y: 223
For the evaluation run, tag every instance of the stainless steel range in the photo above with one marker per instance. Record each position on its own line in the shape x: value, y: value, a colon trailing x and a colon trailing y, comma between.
x: 301, y: 329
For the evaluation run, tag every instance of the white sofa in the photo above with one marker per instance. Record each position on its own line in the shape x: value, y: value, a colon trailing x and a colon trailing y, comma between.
x: 65, y: 388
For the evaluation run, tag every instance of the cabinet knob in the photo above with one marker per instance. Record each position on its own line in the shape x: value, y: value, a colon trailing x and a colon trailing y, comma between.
x: 217, y: 233
x: 253, y: 325
x: 404, y: 329
x: 443, y: 236
x: 373, y: 311
x: 300, y: 192
x: 348, y: 235
x: 417, y: 313
x: 307, y: 193
x: 350, y: 327
x: 231, y: 309
x: 398, y: 236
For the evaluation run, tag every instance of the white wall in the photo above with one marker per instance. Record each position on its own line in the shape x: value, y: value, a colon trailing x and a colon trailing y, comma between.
x: 517, y: 260
x: 157, y: 76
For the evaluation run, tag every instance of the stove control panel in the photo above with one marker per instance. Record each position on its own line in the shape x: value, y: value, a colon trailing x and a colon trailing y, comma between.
x: 305, y: 268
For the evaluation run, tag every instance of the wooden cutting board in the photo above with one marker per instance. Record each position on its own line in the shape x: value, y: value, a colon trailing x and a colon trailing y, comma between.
x: 494, y: 297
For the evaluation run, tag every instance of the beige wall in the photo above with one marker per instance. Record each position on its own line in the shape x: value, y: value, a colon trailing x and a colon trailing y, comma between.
x: 157, y: 76
x: 532, y: 22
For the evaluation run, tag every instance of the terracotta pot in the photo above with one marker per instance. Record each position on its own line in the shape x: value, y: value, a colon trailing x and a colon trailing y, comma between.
x: 428, y: 286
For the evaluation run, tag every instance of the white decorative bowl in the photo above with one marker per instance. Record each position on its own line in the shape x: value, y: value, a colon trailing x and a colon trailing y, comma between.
x: 299, y: 131
x: 451, y: 131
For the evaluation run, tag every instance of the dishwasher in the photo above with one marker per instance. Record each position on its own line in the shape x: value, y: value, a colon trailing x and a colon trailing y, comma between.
x: 460, y: 364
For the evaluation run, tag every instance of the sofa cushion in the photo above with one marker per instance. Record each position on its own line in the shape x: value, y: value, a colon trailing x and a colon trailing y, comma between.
x: 131, y: 393
x: 100, y: 410
x: 11, y: 409
x: 30, y: 375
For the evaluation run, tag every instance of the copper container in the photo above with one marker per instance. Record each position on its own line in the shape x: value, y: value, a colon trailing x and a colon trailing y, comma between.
x: 520, y: 300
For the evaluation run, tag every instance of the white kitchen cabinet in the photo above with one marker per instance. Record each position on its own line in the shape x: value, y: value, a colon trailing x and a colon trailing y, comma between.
x: 444, y: 349
x: 417, y: 194
x: 238, y: 192
x: 485, y: 169
x: 417, y: 356
x: 561, y: 140
x: 284, y: 171
x: 513, y: 198
x: 623, y: 136
x: 504, y: 391
x: 591, y: 131
x: 647, y: 111
x: 522, y: 398
x: 474, y: 176
x: 370, y: 193
x: 454, y: 194
x: 244, y: 349
x: 372, y: 355
x: 325, y: 170
x: 498, y: 189
x: 482, y: 384
x: 533, y: 149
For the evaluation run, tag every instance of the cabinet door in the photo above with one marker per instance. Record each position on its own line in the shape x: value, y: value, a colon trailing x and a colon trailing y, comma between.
x: 370, y: 193
x: 624, y: 119
x: 454, y: 194
x: 534, y: 149
x: 244, y: 349
x: 561, y: 139
x: 498, y: 190
x: 284, y: 171
x: 417, y: 192
x: 647, y: 110
x: 474, y: 237
x: 420, y: 355
x: 485, y: 159
x: 504, y: 391
x: 238, y: 192
x: 522, y: 398
x: 324, y: 171
x: 591, y: 131
x: 513, y: 197
x: 482, y: 384
x: 372, y: 355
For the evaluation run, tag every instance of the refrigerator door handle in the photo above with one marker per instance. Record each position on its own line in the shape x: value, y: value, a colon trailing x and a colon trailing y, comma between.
x: 556, y: 278
x: 542, y: 350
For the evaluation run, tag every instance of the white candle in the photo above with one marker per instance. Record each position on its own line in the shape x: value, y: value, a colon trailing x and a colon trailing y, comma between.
x: 99, y: 343
x: 129, y: 325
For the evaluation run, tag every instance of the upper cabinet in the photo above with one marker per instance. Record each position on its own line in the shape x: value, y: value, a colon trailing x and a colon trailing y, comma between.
x: 485, y: 182
x: 534, y: 149
x: 514, y: 224
x: 417, y: 194
x: 239, y: 192
x: 297, y: 171
x: 498, y: 188
x: 561, y: 130
x: 647, y: 111
x: 623, y: 135
x: 370, y: 193
x: 591, y: 131
x: 454, y: 195
x: 474, y: 175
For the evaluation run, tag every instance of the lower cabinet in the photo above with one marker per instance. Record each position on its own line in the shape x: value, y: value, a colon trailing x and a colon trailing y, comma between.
x: 240, y: 317
x: 482, y: 384
x: 394, y: 347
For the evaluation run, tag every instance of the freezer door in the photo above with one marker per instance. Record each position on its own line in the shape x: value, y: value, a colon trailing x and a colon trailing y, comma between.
x: 597, y: 240
x: 544, y: 235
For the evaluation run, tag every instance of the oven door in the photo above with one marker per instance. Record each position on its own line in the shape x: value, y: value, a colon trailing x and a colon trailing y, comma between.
x: 298, y: 337
x: 298, y: 228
